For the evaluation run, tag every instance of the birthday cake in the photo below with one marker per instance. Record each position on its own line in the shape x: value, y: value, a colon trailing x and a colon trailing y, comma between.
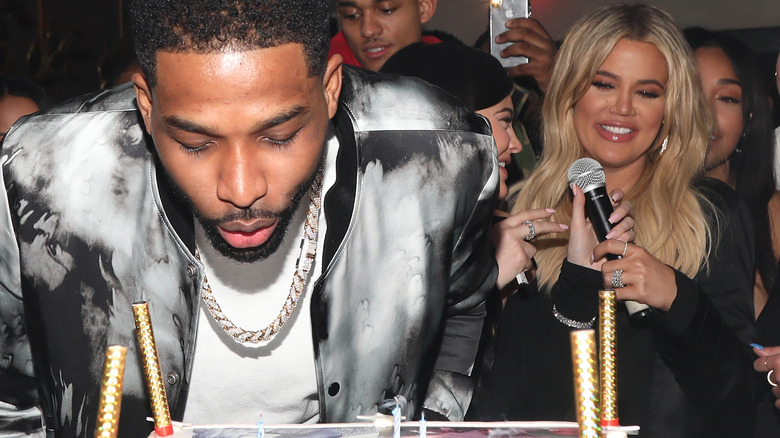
x: 406, y: 430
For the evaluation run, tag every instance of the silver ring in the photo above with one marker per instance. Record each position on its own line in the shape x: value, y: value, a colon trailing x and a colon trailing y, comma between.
x: 617, y: 279
x: 531, y: 231
x: 625, y: 248
x: 769, y: 378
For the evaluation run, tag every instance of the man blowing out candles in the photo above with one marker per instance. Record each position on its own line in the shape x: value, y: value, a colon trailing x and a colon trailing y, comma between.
x: 310, y: 238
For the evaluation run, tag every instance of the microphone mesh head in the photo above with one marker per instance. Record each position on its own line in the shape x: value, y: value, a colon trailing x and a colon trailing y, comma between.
x: 587, y: 173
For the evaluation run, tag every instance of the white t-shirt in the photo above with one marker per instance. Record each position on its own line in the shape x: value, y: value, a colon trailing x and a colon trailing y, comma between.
x: 236, y: 383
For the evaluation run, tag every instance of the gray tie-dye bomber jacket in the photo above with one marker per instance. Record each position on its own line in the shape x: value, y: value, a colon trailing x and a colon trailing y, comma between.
x: 89, y: 225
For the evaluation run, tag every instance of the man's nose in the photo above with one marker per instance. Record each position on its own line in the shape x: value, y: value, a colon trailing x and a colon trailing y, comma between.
x: 241, y: 181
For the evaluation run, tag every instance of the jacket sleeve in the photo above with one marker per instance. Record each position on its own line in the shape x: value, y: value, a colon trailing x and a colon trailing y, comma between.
x: 473, y: 277
x: 704, y: 336
x: 18, y: 389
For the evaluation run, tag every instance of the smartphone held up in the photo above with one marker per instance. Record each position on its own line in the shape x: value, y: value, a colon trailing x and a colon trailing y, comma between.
x: 502, y: 11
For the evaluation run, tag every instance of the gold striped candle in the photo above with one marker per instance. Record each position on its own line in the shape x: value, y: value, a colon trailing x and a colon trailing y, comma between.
x: 586, y: 385
x: 608, y: 358
x: 152, y: 371
x: 111, y: 392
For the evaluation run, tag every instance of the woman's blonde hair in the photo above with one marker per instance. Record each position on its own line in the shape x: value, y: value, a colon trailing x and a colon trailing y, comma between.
x: 670, y: 221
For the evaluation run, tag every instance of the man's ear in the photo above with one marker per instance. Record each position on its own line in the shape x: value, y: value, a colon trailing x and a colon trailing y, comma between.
x: 143, y: 95
x: 331, y: 83
x: 427, y: 9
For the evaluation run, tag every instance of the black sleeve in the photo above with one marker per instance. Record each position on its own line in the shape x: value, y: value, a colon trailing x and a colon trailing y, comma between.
x: 704, y: 336
x: 529, y: 376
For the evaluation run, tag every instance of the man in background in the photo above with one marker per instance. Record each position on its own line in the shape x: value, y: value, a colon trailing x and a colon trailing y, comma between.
x: 372, y: 30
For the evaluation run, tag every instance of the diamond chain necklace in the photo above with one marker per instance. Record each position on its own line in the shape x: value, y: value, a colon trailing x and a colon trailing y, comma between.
x: 302, y: 267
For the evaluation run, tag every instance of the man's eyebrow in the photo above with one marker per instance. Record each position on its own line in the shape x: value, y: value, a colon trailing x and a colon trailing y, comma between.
x: 346, y: 3
x: 190, y: 126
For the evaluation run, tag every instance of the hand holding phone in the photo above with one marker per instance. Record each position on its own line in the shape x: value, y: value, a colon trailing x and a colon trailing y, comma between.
x: 502, y: 11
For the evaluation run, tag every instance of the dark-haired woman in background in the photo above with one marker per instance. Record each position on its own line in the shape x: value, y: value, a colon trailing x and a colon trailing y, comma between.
x: 741, y: 153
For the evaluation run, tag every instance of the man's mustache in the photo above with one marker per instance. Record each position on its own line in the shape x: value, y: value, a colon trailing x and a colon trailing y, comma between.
x: 243, y: 215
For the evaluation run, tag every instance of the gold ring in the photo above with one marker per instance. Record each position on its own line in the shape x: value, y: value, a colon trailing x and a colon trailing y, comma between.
x: 769, y: 378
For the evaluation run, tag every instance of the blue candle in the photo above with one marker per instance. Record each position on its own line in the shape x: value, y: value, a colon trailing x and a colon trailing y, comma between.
x: 260, y: 428
x: 397, y: 422
x: 423, y: 432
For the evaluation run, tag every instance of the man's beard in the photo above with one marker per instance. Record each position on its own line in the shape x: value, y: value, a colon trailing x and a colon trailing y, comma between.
x: 248, y: 255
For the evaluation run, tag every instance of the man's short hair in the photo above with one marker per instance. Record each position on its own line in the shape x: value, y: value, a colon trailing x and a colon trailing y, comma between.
x: 217, y: 26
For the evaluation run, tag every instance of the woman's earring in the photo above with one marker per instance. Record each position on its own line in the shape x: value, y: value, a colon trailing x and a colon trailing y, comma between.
x: 663, y: 146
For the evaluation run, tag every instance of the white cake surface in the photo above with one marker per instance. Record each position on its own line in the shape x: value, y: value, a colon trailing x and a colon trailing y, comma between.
x: 408, y: 429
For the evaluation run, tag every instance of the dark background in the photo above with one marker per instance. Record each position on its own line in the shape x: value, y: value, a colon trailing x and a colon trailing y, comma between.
x: 61, y: 44
x: 74, y: 47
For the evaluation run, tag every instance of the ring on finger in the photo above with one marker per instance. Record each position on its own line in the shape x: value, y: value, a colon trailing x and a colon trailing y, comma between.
x: 617, y: 279
x: 531, y: 230
x: 625, y: 248
x: 769, y: 378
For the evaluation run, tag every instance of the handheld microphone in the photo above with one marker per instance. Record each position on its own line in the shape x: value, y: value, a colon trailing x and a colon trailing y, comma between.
x: 588, y: 174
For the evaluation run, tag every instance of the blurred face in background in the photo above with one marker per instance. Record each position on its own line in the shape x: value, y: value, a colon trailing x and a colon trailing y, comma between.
x: 13, y: 107
x: 500, y: 116
x: 723, y: 91
x: 376, y: 29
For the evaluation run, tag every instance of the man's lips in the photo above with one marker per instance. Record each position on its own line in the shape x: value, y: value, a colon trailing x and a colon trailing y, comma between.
x: 247, y: 235
x: 374, y: 52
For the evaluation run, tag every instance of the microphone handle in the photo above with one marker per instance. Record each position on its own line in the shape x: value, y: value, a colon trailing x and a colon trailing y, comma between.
x: 599, y: 208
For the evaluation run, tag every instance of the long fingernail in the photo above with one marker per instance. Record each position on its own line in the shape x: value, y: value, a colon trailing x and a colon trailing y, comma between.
x: 611, y: 234
x: 549, y: 210
x: 573, y: 189
x: 563, y: 226
x: 612, y: 219
x: 615, y: 197
x: 759, y: 346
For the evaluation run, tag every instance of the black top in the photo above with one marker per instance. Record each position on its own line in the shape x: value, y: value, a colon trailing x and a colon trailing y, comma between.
x: 683, y: 373
x: 768, y: 328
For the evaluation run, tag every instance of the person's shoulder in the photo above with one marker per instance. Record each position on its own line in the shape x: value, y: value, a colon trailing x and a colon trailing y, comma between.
x: 717, y: 192
x: 119, y: 98
x: 379, y: 101
x: 723, y: 206
x: 774, y: 203
x: 105, y: 121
